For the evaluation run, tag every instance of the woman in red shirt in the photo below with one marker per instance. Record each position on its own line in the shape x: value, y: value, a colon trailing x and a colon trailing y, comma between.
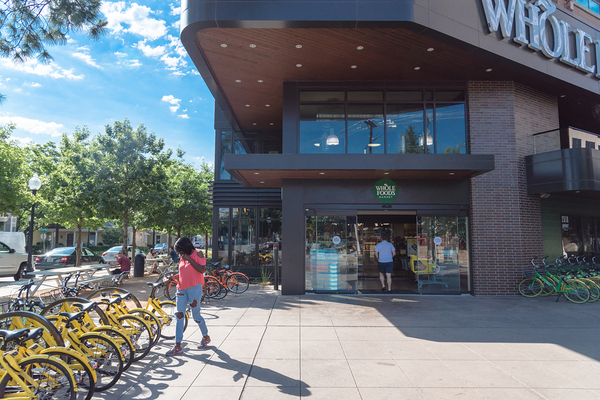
x: 189, y: 290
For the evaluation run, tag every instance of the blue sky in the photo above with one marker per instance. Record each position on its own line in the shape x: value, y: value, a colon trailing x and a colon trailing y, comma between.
x: 138, y: 70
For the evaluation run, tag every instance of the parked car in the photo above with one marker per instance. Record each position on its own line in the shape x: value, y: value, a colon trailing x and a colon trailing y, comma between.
x: 14, y: 240
x: 161, y: 248
x: 12, y: 261
x: 199, y: 245
x: 110, y: 255
x: 65, y: 257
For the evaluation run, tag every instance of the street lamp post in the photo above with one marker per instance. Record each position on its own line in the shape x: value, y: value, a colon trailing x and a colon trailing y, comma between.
x: 34, y: 184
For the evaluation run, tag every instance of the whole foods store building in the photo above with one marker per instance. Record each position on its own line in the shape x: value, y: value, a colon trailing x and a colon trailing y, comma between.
x: 466, y: 130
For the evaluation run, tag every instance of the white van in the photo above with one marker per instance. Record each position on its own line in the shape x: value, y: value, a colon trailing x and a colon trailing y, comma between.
x: 14, y: 240
x: 13, y: 258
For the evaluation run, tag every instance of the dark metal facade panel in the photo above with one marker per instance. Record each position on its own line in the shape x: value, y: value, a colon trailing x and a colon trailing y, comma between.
x: 231, y: 193
x: 563, y: 171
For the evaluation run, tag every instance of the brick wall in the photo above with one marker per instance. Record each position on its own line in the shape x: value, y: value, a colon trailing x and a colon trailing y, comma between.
x: 506, y: 229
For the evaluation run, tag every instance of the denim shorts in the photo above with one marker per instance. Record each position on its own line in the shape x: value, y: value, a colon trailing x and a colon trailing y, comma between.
x: 386, y: 267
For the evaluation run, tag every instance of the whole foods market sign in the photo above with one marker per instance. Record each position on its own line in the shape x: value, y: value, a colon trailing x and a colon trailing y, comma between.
x: 385, y: 190
x: 536, y: 27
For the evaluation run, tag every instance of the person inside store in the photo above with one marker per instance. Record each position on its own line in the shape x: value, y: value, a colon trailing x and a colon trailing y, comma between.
x: 384, y: 253
x: 123, y: 262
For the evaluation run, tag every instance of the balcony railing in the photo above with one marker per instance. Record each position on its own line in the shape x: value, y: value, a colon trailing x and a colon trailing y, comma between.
x: 564, y: 138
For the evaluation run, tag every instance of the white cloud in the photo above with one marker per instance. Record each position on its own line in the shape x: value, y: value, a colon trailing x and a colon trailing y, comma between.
x: 184, y: 110
x: 33, y: 84
x: 150, y: 51
x: 119, y: 54
x: 33, y: 125
x: 184, y: 116
x: 85, y: 57
x: 133, y: 19
x: 34, y: 67
x: 18, y: 90
x: 71, y: 41
x: 175, y: 9
x: 173, y: 101
x: 133, y: 63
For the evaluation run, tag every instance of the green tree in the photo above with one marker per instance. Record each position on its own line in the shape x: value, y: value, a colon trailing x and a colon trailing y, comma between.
x: 71, y: 191
x: 14, y: 173
x: 112, y: 236
x: 26, y: 26
x: 412, y: 141
x: 125, y: 161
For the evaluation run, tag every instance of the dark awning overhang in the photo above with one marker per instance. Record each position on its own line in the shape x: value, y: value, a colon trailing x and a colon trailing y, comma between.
x: 269, y: 170
x: 566, y: 171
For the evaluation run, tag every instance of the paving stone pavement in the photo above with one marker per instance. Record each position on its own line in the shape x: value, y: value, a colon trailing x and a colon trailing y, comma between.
x: 267, y: 346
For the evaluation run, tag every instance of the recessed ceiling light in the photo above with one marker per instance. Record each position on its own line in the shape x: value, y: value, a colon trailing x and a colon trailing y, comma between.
x: 577, y: 191
x: 238, y: 80
x: 262, y: 181
x: 417, y: 68
x: 270, y: 123
x: 267, y: 105
x: 563, y: 95
x: 359, y: 47
x: 298, y: 46
x: 257, y: 173
x: 247, y: 105
x: 317, y: 144
x: 321, y: 173
x: 253, y: 46
x: 353, y: 66
x: 452, y: 173
x: 489, y: 70
x: 223, y: 45
x: 430, y: 49
x: 260, y: 81
x: 254, y: 123
x: 298, y: 65
x: 386, y: 173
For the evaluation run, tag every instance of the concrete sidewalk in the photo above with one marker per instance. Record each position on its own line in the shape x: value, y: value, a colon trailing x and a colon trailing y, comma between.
x: 267, y: 346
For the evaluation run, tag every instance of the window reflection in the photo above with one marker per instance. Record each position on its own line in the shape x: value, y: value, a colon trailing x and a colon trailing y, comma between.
x: 365, y: 129
x: 451, y: 129
x: 225, y: 149
x: 322, y: 128
x: 404, y: 125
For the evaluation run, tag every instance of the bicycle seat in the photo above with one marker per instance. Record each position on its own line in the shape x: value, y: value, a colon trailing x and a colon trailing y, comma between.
x: 72, y: 316
x: 87, y: 307
x: 225, y: 267
x: 154, y: 284
x: 122, y: 296
x: 34, y: 334
x: 9, y: 336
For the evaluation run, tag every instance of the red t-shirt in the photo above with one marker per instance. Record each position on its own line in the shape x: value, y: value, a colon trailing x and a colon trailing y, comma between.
x: 124, y: 264
x: 188, y: 276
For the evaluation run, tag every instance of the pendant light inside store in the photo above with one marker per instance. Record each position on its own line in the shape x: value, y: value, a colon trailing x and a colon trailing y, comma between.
x: 332, y: 139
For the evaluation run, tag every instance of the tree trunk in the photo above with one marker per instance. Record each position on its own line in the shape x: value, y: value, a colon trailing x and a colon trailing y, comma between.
x: 178, y: 232
x: 125, y: 232
x: 168, y: 239
x: 78, y: 240
x: 133, y: 232
x: 206, y: 245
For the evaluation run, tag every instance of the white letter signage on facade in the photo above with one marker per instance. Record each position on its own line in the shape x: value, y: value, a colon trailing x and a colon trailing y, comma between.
x: 536, y: 27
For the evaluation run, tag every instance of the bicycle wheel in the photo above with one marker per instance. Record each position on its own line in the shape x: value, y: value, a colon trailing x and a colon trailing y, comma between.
x: 83, y: 373
x: 211, y: 281
x: 170, y: 290
x: 593, y: 288
x: 530, y: 287
x: 237, y: 283
x: 106, y: 359
x: 139, y: 333
x: 169, y: 321
x: 151, y: 319
x: 52, y: 380
x: 575, y: 291
x: 125, y: 345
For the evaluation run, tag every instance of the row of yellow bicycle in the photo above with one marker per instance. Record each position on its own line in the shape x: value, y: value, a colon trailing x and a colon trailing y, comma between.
x: 77, y: 346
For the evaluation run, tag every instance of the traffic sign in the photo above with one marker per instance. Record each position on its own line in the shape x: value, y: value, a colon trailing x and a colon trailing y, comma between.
x: 43, y: 230
x: 43, y: 236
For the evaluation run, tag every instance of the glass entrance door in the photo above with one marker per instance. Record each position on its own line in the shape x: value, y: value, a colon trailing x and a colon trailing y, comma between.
x: 331, y: 254
x: 442, y: 257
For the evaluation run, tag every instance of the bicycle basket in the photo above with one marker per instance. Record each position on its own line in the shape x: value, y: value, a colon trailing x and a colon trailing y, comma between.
x: 527, y: 271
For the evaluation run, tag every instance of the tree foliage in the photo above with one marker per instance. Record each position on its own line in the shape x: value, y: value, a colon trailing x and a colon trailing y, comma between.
x: 126, y: 160
x: 14, y: 173
x: 26, y: 26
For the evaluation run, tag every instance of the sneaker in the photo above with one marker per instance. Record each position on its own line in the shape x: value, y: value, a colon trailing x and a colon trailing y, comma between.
x: 383, y: 289
x: 174, y: 351
x: 204, y: 343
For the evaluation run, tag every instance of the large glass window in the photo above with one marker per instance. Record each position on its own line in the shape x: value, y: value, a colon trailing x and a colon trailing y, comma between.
x: 408, y: 121
x: 580, y: 234
x: 323, y: 128
x: 243, y: 242
x: 223, y: 236
x: 225, y: 149
x: 593, y: 5
x: 269, y: 236
x: 365, y: 129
